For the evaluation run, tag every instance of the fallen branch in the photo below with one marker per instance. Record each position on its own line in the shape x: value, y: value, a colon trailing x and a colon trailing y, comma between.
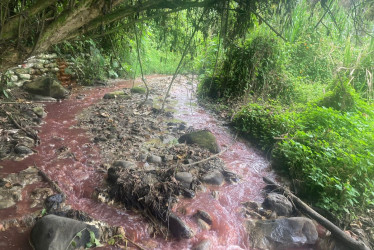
x: 50, y: 181
x: 30, y: 134
x: 335, y: 231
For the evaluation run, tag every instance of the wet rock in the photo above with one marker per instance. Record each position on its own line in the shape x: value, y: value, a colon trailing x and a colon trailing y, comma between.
x: 179, y: 228
x: 55, y: 232
x: 124, y: 164
x: 154, y: 159
x: 39, y: 111
x: 202, y: 138
x: 185, y: 178
x: 188, y: 193
x: 138, y: 90
x: 46, y: 86
x: 53, y: 202
x: 116, y: 94
x: 22, y: 150
x: 282, y: 233
x: 214, y: 177
x: 202, y: 245
x: 203, y: 225
x: 278, y: 203
x: 200, y: 214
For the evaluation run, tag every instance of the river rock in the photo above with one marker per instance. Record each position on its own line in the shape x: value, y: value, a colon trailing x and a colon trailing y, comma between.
x: 204, y: 216
x: 185, y: 178
x: 179, y: 228
x: 278, y: 203
x: 214, y: 177
x: 202, y: 245
x: 124, y: 164
x: 154, y: 159
x: 46, y: 86
x: 22, y: 150
x: 43, y: 98
x: 39, y: 111
x: 116, y: 94
x: 55, y: 232
x: 282, y: 233
x: 202, y: 138
x: 138, y: 90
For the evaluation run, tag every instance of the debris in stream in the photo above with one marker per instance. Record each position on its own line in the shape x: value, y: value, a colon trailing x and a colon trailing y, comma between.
x: 148, y: 170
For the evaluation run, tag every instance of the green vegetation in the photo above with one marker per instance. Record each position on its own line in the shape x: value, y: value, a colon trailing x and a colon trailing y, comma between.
x: 308, y: 100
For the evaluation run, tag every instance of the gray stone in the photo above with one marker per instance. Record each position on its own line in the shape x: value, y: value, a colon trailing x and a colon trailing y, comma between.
x: 22, y: 150
x: 166, y: 139
x: 124, y: 164
x: 154, y: 159
x: 278, y: 203
x: 38, y: 66
x: 214, y: 177
x: 50, y: 65
x: 14, y: 78
x: 20, y: 71
x: 55, y: 232
x: 24, y: 76
x: 202, y: 245
x: 46, y: 86
x: 178, y: 228
x: 5, y: 203
x: 282, y: 233
x: 185, y: 178
x: 202, y: 138
x: 19, y: 83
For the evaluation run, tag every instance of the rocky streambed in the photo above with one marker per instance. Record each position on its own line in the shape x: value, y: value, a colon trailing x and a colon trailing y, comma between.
x: 119, y: 171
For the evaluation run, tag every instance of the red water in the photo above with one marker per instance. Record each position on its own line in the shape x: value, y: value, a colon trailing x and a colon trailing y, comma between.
x: 78, y: 177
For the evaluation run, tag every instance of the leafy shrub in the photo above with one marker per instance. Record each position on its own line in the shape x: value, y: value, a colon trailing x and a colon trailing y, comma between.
x: 327, y: 152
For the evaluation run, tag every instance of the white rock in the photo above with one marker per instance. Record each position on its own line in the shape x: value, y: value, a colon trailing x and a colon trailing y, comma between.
x: 14, y: 78
x: 25, y: 76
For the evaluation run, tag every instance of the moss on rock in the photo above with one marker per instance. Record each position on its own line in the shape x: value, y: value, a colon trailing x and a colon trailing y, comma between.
x: 138, y: 90
x: 202, y: 138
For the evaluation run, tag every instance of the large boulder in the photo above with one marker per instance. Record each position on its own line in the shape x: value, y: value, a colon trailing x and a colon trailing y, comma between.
x: 46, y: 86
x: 202, y: 138
x: 278, y: 203
x: 282, y: 233
x: 55, y: 232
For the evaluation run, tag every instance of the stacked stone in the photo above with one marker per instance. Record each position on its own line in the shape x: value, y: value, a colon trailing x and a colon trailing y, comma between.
x: 32, y: 68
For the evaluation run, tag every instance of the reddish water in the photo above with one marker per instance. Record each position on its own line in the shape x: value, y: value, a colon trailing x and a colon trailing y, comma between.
x: 77, y: 176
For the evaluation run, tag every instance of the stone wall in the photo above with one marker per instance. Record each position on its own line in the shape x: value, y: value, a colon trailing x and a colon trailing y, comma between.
x: 40, y: 65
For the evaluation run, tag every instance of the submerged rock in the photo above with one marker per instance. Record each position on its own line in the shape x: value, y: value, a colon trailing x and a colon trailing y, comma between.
x: 46, y: 86
x: 202, y: 138
x: 279, y: 204
x: 282, y: 233
x: 55, y: 232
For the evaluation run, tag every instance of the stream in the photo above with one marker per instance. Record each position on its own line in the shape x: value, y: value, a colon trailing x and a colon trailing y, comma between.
x: 78, y: 177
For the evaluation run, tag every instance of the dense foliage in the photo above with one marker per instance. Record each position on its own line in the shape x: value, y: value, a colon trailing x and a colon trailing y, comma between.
x: 309, y: 99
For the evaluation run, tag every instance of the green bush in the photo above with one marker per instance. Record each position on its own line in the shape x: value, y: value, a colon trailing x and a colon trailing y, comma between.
x: 327, y: 152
